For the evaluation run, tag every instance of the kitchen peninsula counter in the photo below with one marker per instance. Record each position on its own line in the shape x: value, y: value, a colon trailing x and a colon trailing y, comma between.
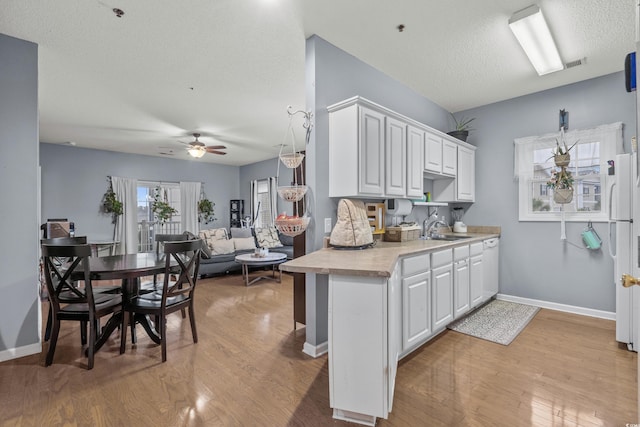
x: 380, y: 260
x: 383, y: 303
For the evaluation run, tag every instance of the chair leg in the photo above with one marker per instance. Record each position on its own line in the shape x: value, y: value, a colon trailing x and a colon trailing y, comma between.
x: 192, y: 320
x: 52, y: 342
x: 83, y: 332
x: 92, y: 342
x: 132, y: 322
x: 123, y: 330
x: 47, y: 329
x: 163, y: 337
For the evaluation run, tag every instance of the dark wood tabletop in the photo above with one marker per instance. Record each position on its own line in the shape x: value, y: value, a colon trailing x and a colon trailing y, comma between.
x: 126, y: 266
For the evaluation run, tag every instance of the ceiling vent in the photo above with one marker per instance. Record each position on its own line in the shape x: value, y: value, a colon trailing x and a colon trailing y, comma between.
x: 575, y: 63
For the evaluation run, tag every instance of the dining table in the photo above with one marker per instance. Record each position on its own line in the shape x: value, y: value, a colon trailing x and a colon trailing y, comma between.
x: 128, y: 268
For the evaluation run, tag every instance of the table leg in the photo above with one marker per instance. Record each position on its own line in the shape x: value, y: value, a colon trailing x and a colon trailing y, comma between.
x: 131, y: 288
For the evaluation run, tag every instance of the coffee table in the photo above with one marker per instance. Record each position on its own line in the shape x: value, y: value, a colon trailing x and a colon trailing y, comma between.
x: 272, y: 259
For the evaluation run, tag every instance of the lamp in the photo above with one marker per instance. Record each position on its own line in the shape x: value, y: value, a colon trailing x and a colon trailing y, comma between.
x: 532, y: 32
x: 196, y: 151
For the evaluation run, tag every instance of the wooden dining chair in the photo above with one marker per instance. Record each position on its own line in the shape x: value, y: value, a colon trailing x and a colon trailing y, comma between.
x: 182, y: 262
x: 72, y: 302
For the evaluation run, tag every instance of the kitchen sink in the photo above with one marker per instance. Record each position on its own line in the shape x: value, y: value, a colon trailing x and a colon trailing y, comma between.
x: 445, y: 237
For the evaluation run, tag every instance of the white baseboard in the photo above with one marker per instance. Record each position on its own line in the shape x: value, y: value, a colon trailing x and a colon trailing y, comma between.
x: 559, y: 307
x: 315, y: 350
x: 14, y: 353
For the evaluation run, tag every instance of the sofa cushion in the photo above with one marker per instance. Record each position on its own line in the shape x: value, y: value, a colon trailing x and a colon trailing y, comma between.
x: 244, y: 243
x: 267, y: 237
x: 285, y: 240
x: 220, y: 258
x: 240, y: 232
x: 221, y: 246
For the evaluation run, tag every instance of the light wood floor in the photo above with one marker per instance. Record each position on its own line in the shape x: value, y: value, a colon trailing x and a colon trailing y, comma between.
x: 248, y: 370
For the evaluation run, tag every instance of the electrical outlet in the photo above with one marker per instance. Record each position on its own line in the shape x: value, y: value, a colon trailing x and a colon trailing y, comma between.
x: 327, y: 225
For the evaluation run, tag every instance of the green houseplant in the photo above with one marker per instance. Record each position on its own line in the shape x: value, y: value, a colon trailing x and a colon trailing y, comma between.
x: 461, y: 127
x: 111, y: 204
x: 562, y: 184
x: 161, y: 207
x: 205, y: 211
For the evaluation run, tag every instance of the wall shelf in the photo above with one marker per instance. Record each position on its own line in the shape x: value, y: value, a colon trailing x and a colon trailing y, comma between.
x: 435, y: 204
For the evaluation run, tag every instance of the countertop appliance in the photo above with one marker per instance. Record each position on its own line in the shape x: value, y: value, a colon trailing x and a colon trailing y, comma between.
x: 458, y: 225
x: 623, y: 208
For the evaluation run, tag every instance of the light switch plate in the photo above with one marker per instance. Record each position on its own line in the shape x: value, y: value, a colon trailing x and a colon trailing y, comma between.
x: 327, y: 225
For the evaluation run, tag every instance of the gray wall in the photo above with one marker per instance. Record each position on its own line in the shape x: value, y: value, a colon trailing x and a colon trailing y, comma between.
x: 534, y: 262
x: 334, y: 75
x: 19, y: 305
x: 75, y: 179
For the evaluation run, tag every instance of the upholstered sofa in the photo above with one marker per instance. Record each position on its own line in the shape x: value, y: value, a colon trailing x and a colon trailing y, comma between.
x: 221, y: 247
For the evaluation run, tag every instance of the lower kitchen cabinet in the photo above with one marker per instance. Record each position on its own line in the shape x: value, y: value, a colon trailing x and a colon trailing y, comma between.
x: 461, y: 281
x: 416, y: 309
x: 476, y: 273
x: 442, y: 289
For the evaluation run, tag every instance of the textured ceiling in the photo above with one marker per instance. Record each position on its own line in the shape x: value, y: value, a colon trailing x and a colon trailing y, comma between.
x: 228, y: 69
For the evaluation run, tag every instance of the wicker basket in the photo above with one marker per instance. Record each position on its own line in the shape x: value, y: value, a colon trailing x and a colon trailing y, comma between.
x: 292, y: 226
x: 562, y: 159
x: 293, y: 193
x: 563, y: 195
x: 292, y: 160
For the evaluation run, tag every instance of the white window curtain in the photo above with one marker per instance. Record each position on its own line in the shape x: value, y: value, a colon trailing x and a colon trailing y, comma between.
x: 126, y: 230
x: 189, y: 194
x: 273, y: 196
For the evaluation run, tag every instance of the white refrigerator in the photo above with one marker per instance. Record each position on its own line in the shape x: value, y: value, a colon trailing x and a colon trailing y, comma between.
x: 622, y: 210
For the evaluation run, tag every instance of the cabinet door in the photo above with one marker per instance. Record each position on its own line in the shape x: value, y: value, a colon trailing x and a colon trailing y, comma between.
x: 395, y: 158
x: 432, y: 153
x: 466, y: 181
x: 415, y: 147
x: 416, y: 309
x: 476, y: 277
x: 371, y: 152
x: 461, y: 281
x: 395, y: 330
x: 449, y: 157
x: 442, y: 299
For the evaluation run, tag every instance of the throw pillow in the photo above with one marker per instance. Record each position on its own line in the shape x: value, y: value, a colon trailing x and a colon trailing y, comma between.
x: 285, y: 240
x: 222, y: 246
x: 268, y: 237
x: 213, y: 234
x: 206, y: 252
x: 244, y: 243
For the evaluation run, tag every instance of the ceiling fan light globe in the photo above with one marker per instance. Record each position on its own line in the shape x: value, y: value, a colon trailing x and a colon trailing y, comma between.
x: 196, y: 151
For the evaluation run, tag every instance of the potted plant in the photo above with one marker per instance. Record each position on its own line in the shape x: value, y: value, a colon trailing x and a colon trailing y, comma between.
x: 161, y: 207
x: 111, y: 204
x: 560, y: 152
x: 562, y: 184
x: 461, y: 128
x: 205, y: 211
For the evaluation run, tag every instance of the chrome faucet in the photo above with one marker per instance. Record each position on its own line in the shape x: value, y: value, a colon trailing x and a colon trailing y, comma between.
x: 431, y: 224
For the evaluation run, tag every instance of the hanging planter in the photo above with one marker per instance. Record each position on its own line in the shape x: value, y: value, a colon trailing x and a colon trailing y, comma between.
x: 205, y: 211
x: 563, y: 195
x: 161, y: 207
x: 111, y: 204
x: 562, y: 159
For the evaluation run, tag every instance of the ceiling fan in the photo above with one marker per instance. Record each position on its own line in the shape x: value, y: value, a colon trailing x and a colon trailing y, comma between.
x: 197, y: 149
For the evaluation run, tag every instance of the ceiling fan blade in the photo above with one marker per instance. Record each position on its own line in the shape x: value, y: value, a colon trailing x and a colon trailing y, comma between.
x: 222, y: 153
x: 216, y: 147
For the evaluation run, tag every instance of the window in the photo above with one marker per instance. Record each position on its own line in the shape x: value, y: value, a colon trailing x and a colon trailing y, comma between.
x: 263, y: 202
x: 147, y: 225
x: 534, y: 165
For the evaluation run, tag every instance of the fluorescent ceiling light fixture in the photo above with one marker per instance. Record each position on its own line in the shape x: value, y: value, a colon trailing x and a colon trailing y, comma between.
x: 532, y: 32
x: 196, y: 151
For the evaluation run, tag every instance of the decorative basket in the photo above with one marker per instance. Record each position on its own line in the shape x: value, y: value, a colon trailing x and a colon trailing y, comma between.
x: 292, y: 160
x: 563, y: 195
x: 292, y: 226
x: 293, y: 193
x: 562, y: 159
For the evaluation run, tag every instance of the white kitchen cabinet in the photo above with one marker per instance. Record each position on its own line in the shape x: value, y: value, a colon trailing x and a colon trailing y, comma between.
x: 449, y: 157
x: 432, y: 153
x: 461, y: 281
x: 356, y: 152
x: 415, y: 160
x: 395, y: 158
x: 442, y: 289
x: 465, y: 180
x: 416, y: 309
x: 476, y: 273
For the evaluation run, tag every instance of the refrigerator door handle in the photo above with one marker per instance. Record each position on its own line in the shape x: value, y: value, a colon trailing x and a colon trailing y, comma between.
x: 609, y: 242
x: 611, y: 221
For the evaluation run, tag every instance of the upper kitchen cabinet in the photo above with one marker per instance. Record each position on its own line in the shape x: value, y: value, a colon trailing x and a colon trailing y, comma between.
x: 356, y: 151
x: 449, y: 158
x: 461, y: 187
x: 415, y: 149
x: 432, y: 153
x: 373, y: 152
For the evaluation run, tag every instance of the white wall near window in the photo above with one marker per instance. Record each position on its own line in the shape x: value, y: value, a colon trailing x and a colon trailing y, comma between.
x: 534, y: 163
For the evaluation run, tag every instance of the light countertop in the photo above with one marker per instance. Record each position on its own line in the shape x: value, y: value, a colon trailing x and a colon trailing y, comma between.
x: 380, y: 260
